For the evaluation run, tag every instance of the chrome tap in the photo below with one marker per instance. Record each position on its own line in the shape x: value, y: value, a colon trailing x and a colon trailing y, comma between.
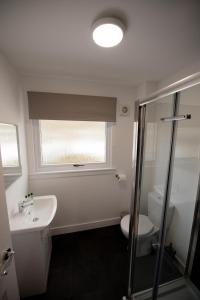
x: 25, y: 203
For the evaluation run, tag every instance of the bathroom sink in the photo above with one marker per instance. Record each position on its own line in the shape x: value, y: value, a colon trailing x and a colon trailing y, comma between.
x: 35, y: 217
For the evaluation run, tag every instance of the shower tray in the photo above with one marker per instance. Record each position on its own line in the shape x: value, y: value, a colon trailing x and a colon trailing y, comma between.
x: 179, y: 289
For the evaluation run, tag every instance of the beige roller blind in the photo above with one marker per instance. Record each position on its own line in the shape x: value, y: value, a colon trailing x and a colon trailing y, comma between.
x: 53, y: 106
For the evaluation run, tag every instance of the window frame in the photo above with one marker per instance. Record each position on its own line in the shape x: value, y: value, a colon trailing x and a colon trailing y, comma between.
x: 39, y: 168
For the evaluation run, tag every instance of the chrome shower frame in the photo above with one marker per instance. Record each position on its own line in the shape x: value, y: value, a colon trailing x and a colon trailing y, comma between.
x: 174, y: 90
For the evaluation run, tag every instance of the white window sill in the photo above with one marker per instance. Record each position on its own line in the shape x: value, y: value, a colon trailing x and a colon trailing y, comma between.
x: 71, y: 173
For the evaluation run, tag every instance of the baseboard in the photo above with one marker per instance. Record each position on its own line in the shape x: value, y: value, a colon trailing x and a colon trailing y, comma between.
x: 84, y: 226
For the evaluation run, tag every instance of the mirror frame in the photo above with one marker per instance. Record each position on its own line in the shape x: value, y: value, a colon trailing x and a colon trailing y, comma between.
x: 12, y: 173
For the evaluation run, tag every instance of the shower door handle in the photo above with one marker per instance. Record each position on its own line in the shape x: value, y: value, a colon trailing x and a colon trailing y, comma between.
x: 176, y: 118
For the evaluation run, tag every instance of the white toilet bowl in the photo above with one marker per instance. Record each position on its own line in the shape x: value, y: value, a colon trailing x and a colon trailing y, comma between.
x: 148, y: 227
x: 147, y: 233
x: 145, y: 226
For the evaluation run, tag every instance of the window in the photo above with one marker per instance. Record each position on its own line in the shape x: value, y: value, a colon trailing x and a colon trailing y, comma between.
x: 71, y: 144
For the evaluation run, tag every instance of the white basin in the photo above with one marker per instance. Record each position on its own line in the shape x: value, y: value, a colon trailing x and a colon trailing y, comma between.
x: 36, y: 217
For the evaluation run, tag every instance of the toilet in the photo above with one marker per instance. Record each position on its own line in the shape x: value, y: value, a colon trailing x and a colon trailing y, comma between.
x: 148, y: 228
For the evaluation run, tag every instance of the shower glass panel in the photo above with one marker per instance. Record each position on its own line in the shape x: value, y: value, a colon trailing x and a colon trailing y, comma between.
x: 157, y: 143
x: 186, y: 170
x: 166, y: 197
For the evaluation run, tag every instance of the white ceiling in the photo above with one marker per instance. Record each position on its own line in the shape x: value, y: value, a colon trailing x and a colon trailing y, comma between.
x: 54, y: 37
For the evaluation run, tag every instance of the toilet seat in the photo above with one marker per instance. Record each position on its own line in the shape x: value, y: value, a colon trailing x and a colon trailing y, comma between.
x: 145, y: 225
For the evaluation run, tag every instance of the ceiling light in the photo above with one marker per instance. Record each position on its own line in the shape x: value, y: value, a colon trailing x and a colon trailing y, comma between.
x: 108, y: 32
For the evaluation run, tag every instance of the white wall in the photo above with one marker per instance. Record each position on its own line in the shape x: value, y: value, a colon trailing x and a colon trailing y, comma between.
x: 11, y: 103
x: 99, y: 198
x: 183, y: 73
x: 11, y: 111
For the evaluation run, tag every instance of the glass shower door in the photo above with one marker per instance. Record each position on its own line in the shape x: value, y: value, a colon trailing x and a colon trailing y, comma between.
x: 165, y: 193
x: 152, y: 172
x: 184, y: 187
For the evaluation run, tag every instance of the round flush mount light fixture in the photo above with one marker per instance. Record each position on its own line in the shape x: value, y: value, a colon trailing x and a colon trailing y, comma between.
x: 108, y: 32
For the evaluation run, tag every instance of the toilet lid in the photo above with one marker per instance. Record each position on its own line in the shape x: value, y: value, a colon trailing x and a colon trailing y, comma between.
x: 144, y: 228
x: 145, y: 225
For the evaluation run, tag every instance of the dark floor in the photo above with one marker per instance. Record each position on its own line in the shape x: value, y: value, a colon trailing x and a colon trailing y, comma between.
x: 195, y: 275
x: 93, y: 264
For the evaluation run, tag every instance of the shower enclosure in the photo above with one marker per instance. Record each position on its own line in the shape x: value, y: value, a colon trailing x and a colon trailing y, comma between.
x: 167, y: 165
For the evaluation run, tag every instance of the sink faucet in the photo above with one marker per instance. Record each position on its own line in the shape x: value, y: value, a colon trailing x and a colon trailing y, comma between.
x: 25, y: 203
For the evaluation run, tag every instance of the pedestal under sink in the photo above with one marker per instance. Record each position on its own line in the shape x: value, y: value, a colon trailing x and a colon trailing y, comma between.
x: 32, y: 244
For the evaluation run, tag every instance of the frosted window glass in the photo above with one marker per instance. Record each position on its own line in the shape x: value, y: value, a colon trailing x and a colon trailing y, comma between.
x: 9, y: 147
x: 72, y: 142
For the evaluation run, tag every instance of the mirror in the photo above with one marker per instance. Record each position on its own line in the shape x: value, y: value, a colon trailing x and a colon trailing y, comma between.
x: 9, y: 143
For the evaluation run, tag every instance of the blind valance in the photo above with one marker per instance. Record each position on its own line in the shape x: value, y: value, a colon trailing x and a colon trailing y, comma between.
x: 55, y: 106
